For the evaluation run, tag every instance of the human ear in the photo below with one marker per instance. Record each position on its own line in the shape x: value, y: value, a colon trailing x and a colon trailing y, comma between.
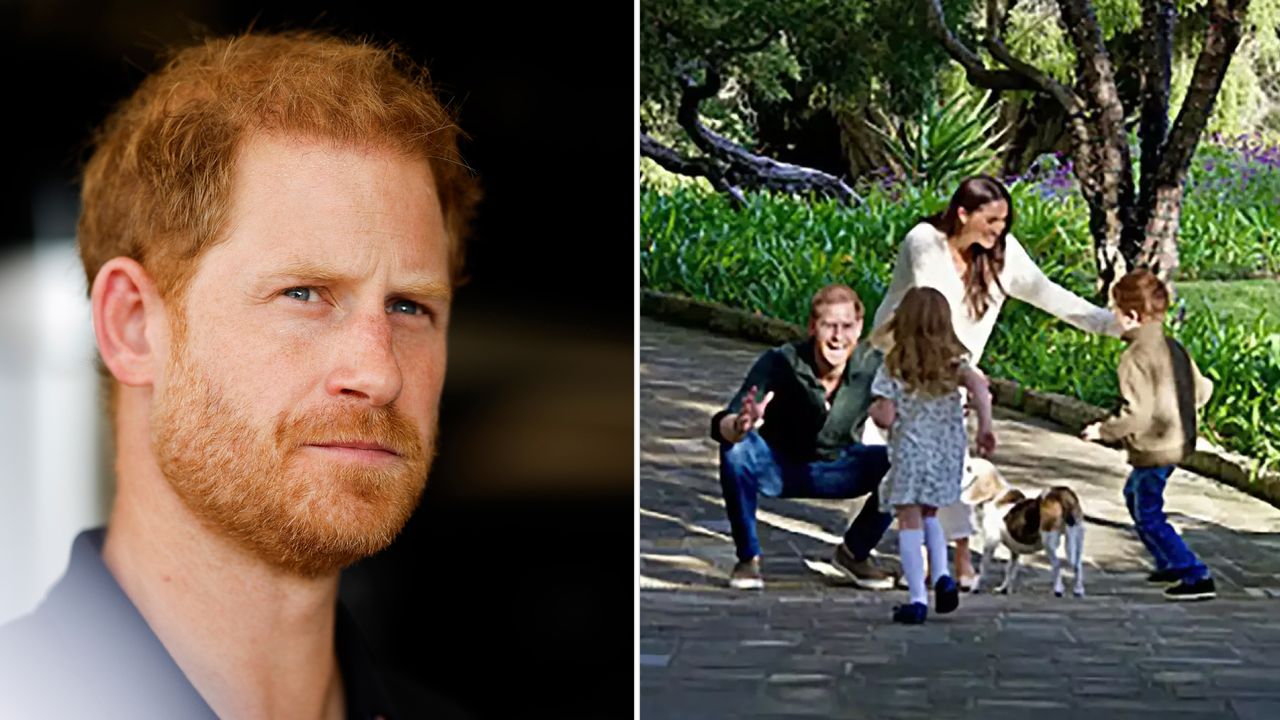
x: 123, y: 299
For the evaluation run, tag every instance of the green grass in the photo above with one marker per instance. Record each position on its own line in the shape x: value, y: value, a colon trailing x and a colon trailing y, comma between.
x: 1235, y: 301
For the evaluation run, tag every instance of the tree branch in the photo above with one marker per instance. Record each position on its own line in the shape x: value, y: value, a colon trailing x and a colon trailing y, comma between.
x: 1226, y: 27
x: 745, y: 168
x: 976, y: 72
x: 673, y: 161
x: 1043, y: 82
x: 691, y: 96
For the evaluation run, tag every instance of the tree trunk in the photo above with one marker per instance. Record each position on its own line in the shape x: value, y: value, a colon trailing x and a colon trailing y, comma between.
x: 1160, y: 253
x: 1040, y: 127
x: 1159, y: 249
x: 1105, y: 173
x: 1158, y: 17
x: 1159, y: 208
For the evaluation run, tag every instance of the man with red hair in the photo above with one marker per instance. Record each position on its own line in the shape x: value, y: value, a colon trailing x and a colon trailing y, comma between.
x: 788, y: 432
x: 272, y: 230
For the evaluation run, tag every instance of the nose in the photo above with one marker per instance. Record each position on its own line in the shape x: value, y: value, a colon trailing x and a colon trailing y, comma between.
x: 366, y: 367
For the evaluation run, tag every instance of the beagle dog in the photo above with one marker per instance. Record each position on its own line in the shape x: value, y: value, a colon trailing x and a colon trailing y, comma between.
x: 1026, y: 525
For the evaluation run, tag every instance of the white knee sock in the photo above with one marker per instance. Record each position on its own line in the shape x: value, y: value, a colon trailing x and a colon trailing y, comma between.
x: 936, y: 541
x: 909, y: 542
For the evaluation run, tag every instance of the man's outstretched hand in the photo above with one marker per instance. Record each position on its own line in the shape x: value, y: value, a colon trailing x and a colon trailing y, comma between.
x: 752, y: 414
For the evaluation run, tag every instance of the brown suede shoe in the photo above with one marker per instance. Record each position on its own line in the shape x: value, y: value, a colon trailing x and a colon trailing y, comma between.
x: 864, y: 573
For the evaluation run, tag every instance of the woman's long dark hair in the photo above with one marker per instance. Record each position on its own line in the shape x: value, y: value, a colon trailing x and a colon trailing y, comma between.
x: 984, y: 265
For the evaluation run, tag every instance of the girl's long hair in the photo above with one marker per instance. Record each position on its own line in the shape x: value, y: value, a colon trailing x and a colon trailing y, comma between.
x: 926, y: 353
x: 984, y: 265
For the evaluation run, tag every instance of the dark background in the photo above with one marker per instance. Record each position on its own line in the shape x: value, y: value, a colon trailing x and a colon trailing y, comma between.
x: 511, y: 591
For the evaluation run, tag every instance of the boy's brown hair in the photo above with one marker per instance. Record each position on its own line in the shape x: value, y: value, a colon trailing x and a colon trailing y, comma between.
x: 1143, y: 293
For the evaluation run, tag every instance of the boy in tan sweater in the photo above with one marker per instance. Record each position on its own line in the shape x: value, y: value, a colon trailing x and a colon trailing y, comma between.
x: 1162, y: 389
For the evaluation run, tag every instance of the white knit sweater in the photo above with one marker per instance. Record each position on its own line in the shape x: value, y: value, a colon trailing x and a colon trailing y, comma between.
x: 924, y: 260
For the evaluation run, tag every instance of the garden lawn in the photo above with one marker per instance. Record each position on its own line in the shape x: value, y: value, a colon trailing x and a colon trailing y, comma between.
x: 1235, y: 301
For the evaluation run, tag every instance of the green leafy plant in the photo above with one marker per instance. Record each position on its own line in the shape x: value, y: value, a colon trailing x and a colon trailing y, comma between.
x: 947, y: 141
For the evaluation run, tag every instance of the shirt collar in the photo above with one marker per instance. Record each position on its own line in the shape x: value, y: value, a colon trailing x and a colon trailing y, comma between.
x: 104, y: 630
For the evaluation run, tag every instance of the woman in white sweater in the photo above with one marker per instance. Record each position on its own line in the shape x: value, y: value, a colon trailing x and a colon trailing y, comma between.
x: 968, y: 254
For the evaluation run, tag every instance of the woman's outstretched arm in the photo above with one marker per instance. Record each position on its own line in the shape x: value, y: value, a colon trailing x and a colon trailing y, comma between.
x: 1029, y: 284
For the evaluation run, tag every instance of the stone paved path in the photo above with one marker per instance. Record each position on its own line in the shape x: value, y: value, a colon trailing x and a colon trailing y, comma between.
x: 811, y: 645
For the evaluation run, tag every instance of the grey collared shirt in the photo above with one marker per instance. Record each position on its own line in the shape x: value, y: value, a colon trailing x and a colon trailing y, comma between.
x: 86, y: 652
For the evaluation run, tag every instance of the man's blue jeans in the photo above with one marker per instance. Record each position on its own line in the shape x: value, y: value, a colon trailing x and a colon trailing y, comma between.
x: 749, y: 468
x: 1144, y: 496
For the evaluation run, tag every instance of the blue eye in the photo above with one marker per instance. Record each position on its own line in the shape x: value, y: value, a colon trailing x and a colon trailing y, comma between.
x: 299, y: 293
x: 408, y: 307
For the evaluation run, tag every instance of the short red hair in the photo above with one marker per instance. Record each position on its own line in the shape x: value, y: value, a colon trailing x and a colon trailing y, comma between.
x: 835, y: 294
x: 158, y: 185
x: 1141, y: 292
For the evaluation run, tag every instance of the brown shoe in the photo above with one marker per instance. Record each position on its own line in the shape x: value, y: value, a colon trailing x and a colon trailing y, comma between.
x: 746, y: 575
x: 864, y: 573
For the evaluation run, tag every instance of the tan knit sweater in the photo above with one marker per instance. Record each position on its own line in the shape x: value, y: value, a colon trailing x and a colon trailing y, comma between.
x: 1162, y: 389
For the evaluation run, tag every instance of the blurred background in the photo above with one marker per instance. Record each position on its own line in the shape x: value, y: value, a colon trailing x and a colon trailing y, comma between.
x: 511, y: 589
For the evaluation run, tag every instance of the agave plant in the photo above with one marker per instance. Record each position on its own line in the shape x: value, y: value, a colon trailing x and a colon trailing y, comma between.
x: 948, y: 141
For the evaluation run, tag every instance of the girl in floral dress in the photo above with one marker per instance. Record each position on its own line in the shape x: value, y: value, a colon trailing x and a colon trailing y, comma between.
x: 919, y: 401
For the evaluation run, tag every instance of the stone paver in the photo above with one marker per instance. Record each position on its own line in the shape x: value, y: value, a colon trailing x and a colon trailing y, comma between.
x: 810, y: 645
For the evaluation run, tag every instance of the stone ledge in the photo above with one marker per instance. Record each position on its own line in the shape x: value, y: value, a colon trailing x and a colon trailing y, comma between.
x: 1237, y: 470
x: 718, y: 318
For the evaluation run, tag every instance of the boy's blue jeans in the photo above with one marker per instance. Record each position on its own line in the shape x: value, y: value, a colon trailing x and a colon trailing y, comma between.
x: 1144, y: 496
x: 750, y: 468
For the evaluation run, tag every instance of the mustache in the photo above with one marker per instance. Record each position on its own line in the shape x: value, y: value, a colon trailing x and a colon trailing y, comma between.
x: 384, y: 426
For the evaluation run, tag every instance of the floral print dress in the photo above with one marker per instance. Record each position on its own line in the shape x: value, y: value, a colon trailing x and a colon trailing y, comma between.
x: 927, y: 445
